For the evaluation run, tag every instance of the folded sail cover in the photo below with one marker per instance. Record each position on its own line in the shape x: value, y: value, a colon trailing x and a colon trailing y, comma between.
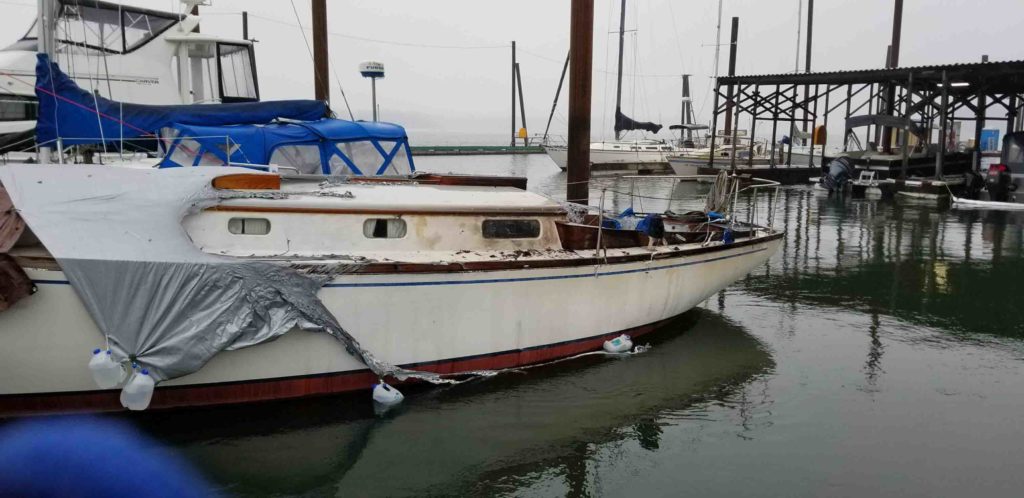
x: 625, y: 123
x: 79, y: 117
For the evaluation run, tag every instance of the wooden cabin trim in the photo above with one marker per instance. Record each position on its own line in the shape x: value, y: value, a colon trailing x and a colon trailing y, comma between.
x: 247, y: 181
x: 481, y: 211
x: 523, y: 264
x: 383, y: 268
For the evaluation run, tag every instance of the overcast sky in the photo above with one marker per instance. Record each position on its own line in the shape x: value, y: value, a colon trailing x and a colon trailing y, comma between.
x: 447, y: 61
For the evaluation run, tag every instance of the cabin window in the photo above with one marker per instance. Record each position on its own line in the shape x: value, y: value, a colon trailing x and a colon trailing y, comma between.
x: 304, y: 158
x: 249, y: 226
x: 1014, y: 152
x: 237, y: 80
x: 511, y: 229
x: 339, y: 167
x: 399, y: 164
x: 363, y: 154
x: 140, y: 27
x: 384, y: 228
x: 184, y: 154
x: 15, y: 108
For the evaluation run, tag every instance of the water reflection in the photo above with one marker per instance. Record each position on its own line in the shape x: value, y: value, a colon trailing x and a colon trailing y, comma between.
x: 909, y: 260
x: 494, y: 437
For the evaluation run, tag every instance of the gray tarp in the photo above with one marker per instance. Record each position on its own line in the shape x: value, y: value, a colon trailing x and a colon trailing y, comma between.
x: 11, y: 225
x: 117, y: 235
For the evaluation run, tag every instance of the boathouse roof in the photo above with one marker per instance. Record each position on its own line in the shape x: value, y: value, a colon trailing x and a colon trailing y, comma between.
x: 1001, y: 77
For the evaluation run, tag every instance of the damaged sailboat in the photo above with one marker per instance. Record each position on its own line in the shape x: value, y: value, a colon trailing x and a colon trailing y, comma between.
x: 242, y: 282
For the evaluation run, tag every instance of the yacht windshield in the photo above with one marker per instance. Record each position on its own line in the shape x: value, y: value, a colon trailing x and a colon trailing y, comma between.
x: 102, y: 26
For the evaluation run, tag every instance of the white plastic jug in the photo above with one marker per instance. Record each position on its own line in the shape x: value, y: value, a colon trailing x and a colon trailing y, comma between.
x: 620, y: 344
x: 138, y: 392
x: 107, y: 373
x: 386, y: 395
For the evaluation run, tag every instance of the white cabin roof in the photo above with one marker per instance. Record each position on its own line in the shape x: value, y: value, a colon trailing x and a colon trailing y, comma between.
x: 404, y: 197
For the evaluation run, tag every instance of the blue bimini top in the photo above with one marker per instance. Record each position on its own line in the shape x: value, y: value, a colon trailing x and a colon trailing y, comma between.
x: 327, y: 146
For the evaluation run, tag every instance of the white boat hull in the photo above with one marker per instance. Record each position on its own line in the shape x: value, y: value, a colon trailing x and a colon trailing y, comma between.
x: 684, y: 166
x: 610, y: 157
x: 444, y: 322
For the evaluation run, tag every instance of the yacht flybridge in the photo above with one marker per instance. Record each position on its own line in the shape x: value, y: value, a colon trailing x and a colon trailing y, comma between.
x: 198, y: 276
x: 126, y: 53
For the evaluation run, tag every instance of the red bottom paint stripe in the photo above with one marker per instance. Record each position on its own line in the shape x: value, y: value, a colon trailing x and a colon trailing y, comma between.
x: 293, y: 387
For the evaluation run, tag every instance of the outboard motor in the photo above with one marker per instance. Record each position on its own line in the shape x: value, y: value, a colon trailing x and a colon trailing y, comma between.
x: 840, y: 171
x: 999, y: 183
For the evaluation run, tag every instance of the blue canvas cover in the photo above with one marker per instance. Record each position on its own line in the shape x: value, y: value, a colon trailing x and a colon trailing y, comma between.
x: 326, y: 146
x: 76, y: 116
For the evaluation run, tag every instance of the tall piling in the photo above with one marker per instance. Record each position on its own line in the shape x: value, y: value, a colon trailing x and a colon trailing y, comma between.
x: 321, y: 80
x: 581, y: 48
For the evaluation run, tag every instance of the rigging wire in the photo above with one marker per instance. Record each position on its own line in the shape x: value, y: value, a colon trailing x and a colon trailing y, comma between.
x: 387, y: 42
x: 607, y: 45
x: 310, y: 50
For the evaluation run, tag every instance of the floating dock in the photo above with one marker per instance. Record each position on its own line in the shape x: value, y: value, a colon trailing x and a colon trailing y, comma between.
x: 782, y: 173
x: 473, y: 150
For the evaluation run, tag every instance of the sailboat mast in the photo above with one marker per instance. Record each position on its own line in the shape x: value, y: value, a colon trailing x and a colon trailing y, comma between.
x: 44, y: 31
x: 618, y: 86
x: 687, y: 117
x: 718, y: 37
x: 799, y: 18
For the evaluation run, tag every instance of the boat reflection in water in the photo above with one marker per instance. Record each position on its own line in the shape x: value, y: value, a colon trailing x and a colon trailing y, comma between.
x: 483, y: 438
x: 908, y: 259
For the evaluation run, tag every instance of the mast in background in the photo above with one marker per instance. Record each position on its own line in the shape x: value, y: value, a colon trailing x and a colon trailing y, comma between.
x: 618, y: 85
x: 799, y: 18
x: 894, y: 61
x: 810, y: 34
x: 687, y: 117
x: 44, y: 31
x: 718, y: 37
x: 733, y: 37
x: 581, y: 48
x: 513, y: 86
x: 321, y: 80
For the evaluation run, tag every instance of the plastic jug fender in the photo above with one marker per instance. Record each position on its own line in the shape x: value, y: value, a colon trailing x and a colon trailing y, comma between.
x: 387, y: 395
x: 620, y: 344
x: 106, y: 372
x: 139, y: 391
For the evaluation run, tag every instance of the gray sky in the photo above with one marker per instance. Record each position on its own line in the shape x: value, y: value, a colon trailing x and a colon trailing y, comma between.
x: 461, y: 95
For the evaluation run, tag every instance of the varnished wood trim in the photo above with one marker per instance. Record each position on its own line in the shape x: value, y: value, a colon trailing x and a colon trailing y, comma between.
x: 396, y: 212
x: 498, y: 265
x: 456, y: 180
x: 244, y: 181
x: 513, y: 264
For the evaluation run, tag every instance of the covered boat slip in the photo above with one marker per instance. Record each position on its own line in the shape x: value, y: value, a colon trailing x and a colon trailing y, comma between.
x: 882, y: 110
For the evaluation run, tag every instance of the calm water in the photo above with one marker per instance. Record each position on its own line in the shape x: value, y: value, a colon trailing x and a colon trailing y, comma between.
x: 880, y: 352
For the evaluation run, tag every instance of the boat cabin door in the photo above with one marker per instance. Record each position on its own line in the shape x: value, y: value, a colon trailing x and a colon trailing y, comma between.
x: 218, y: 71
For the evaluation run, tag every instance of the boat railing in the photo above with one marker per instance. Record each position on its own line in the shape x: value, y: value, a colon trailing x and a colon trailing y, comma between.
x: 724, y: 209
x: 749, y: 189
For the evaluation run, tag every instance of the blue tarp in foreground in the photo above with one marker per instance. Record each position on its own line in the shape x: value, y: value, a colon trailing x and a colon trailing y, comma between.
x: 79, y: 117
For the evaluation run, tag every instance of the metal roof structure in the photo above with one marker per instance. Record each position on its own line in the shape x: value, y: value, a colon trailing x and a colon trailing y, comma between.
x: 1002, y: 77
x: 931, y: 97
